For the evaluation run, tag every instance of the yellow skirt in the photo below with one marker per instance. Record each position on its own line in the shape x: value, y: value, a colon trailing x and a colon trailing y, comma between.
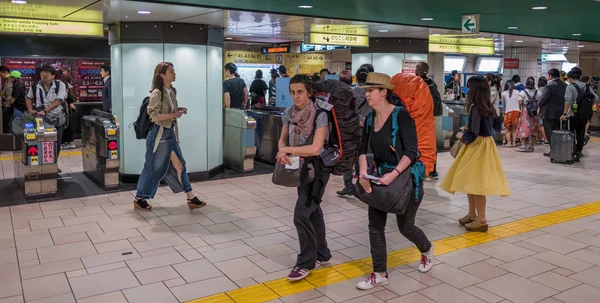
x: 477, y: 170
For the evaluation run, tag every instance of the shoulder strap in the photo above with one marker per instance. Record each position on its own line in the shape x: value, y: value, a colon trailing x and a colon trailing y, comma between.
x: 56, y: 86
x: 535, y: 94
x: 526, y: 93
x: 369, y: 123
x: 577, y: 88
x: 395, y: 125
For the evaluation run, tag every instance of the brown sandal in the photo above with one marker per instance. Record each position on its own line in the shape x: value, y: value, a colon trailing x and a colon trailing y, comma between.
x: 466, y: 220
x: 141, y: 204
x: 477, y: 226
x: 195, y: 203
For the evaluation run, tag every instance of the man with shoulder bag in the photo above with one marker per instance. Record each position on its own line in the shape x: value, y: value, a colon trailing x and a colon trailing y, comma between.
x: 45, y: 100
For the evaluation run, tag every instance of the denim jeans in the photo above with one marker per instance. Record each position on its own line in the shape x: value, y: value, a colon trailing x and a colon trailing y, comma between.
x: 16, y: 114
x: 406, y: 224
x: 158, y: 165
x: 308, y: 218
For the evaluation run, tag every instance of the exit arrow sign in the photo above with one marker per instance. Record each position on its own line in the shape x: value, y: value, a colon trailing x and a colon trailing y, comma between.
x: 470, y: 24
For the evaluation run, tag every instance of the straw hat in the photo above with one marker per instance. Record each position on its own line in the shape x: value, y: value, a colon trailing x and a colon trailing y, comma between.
x: 378, y: 80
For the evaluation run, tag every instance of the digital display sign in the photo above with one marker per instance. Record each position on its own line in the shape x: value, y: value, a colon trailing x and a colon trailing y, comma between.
x: 318, y: 47
x: 50, y: 27
x: 276, y: 50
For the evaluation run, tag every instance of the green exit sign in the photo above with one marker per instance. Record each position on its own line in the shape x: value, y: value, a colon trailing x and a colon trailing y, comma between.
x: 470, y: 24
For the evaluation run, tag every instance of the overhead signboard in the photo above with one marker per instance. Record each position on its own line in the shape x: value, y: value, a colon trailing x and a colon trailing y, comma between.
x: 461, y: 40
x: 50, y: 27
x: 48, y: 11
x: 319, y: 48
x: 470, y: 24
x: 461, y: 44
x: 285, y: 59
x: 343, y: 29
x: 332, y: 39
x: 460, y: 49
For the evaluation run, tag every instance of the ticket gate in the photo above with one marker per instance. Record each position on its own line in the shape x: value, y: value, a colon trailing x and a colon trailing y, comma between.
x: 444, y: 128
x: 100, y: 148
x: 239, y: 145
x: 35, y: 165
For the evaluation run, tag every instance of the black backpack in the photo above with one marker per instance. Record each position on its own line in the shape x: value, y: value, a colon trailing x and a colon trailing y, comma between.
x: 143, y: 124
x: 344, y: 131
x: 583, y: 105
x: 438, y: 110
x: 531, y: 104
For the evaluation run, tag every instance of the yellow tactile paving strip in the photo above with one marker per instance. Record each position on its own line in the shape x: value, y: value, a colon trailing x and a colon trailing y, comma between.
x: 282, y: 287
x: 62, y: 154
x: 595, y: 139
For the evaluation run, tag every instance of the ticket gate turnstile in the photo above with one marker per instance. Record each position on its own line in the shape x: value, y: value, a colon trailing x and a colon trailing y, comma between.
x: 239, y: 145
x: 35, y: 165
x: 100, y: 148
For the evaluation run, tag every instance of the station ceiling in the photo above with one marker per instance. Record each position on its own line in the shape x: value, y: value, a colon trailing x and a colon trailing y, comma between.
x: 270, y: 21
x: 561, y: 20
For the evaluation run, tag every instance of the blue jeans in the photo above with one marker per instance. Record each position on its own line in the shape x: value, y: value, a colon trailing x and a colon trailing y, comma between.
x: 158, y: 165
x: 16, y: 114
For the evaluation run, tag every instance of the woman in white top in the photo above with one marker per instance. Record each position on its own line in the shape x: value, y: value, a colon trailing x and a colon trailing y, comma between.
x: 529, y: 125
x: 510, y: 99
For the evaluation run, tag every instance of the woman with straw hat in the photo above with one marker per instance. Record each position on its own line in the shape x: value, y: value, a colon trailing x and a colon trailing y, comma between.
x: 402, y: 156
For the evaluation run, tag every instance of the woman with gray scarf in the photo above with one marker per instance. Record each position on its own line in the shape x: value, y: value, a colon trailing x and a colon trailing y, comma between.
x: 303, y: 136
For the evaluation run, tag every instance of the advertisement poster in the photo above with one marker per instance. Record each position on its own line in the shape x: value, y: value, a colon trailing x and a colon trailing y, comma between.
x: 85, y: 74
x: 409, y: 66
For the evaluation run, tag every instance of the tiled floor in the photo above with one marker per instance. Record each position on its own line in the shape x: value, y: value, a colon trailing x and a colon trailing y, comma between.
x: 97, y: 249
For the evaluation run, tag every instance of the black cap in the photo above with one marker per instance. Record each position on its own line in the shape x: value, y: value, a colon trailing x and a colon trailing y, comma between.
x: 282, y: 69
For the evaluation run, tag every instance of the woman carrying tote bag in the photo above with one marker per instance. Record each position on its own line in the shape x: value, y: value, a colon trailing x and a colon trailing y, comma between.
x: 303, y: 136
x: 398, y: 161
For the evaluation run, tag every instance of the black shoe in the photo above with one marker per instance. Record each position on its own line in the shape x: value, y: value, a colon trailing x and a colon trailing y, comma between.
x: 434, y: 175
x: 576, y: 158
x: 547, y: 154
x: 586, y: 140
x: 345, y: 192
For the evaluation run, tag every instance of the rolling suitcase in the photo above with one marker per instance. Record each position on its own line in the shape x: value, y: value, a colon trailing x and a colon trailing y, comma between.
x: 562, y: 145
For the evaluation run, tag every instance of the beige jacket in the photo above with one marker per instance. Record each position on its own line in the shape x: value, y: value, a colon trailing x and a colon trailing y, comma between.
x: 159, y: 105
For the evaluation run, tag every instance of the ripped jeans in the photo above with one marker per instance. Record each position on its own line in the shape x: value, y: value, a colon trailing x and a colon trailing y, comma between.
x: 158, y: 165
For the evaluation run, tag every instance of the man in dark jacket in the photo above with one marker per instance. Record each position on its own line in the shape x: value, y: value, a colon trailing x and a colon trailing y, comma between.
x: 106, y: 90
x: 553, y: 103
x: 422, y: 71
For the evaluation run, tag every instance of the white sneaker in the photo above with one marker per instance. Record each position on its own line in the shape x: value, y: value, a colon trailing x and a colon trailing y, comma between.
x: 426, y: 260
x: 372, y: 281
x: 323, y: 263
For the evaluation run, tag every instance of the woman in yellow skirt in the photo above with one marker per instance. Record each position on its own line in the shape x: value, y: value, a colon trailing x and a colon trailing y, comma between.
x: 477, y: 170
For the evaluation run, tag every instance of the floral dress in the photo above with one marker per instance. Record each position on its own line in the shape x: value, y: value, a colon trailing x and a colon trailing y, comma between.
x: 528, y: 126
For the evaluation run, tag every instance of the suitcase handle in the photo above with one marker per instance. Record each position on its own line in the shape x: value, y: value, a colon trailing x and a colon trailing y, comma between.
x: 568, y: 124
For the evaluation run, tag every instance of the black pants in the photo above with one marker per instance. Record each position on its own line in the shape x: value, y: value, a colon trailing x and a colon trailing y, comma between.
x: 59, y: 134
x: 67, y: 135
x: 308, y: 218
x: 7, y: 113
x: 578, y: 127
x: 406, y: 224
x: 551, y: 125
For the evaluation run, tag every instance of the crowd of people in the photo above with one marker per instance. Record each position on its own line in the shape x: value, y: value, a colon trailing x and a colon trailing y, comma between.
x: 397, y: 126
x: 533, y: 111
